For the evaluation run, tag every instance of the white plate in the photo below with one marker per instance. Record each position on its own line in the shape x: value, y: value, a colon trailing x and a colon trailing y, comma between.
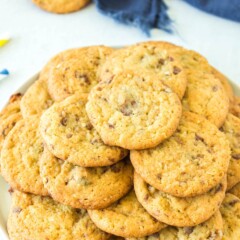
x: 5, y: 199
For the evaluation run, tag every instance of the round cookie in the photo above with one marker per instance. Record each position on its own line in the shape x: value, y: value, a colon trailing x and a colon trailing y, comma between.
x: 133, y: 111
x: 12, y: 107
x: 230, y: 211
x: 36, y: 99
x: 126, y: 218
x: 175, y: 211
x: 231, y: 128
x: 212, y: 229
x: 225, y: 82
x: 91, y: 188
x: 73, y: 72
x: 61, y: 6
x: 235, y: 106
x: 235, y: 190
x: 150, y: 58
x: 38, y: 218
x: 70, y: 136
x: 191, y: 162
x: 20, y: 156
x: 204, y: 95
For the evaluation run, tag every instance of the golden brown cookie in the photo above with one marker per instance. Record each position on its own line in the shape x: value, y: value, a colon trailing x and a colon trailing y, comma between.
x: 91, y: 188
x: 61, y: 6
x: 150, y: 58
x: 20, y: 156
x: 126, y: 218
x: 235, y: 190
x: 72, y: 72
x: 231, y: 128
x: 230, y: 211
x: 36, y: 99
x: 235, y: 106
x: 180, y: 212
x: 70, y: 136
x: 133, y: 110
x: 212, y: 229
x: 189, y: 163
x: 41, y: 218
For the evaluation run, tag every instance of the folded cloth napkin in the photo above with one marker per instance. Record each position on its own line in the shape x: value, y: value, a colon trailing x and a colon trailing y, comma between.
x: 148, y: 14
x: 145, y: 14
x: 229, y: 9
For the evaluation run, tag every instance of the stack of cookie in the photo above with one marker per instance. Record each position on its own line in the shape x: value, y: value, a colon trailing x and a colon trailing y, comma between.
x: 137, y: 143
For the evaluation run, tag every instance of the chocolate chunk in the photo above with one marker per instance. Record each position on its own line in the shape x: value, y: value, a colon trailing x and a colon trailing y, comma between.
x: 176, y: 70
x: 159, y: 176
x: 219, y: 188
x: 14, y: 97
x: 89, y: 126
x: 233, y: 202
x: 188, y: 230
x: 198, y: 138
x: 236, y: 156
x: 146, y: 197
x: 11, y: 190
x: 161, y: 61
x: 83, y: 77
x: 64, y: 121
x: 171, y: 59
x: 126, y: 112
x: 215, y: 88
x: 110, y: 125
x: 17, y: 210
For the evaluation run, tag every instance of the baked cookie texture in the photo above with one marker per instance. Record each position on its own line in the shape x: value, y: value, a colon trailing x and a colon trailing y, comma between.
x: 180, y: 212
x: 36, y: 217
x: 20, y: 156
x: 61, y: 6
x: 36, y: 99
x: 150, y: 58
x: 133, y: 111
x: 69, y: 135
x: 230, y: 211
x: 72, y: 72
x: 235, y: 107
x: 189, y: 163
x: 126, y: 218
x: 211, y: 229
x: 231, y: 128
x: 79, y: 187
x: 235, y: 190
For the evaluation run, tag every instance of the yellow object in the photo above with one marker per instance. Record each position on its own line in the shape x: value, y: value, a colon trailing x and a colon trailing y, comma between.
x: 3, y: 42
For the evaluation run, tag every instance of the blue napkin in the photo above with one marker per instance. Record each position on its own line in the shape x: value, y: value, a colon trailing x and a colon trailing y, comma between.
x: 148, y: 14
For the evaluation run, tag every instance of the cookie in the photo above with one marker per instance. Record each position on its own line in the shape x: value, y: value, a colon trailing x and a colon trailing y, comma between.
x: 235, y: 106
x: 73, y: 72
x: 231, y: 128
x: 12, y: 107
x: 133, y: 110
x: 79, y: 187
x: 230, y: 211
x: 70, y: 136
x: 204, y: 95
x: 189, y: 163
x: 152, y: 59
x: 126, y: 218
x: 38, y: 218
x: 61, y: 6
x: 20, y: 156
x: 235, y: 190
x: 36, y: 99
x: 180, y: 212
x: 212, y: 229
x: 225, y: 82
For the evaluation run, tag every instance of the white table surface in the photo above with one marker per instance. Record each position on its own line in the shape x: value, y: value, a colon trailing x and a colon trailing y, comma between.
x: 38, y: 35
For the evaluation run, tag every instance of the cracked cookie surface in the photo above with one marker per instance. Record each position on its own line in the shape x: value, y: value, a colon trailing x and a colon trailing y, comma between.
x: 73, y: 72
x: 148, y: 58
x: 126, y: 218
x: 230, y: 211
x: 133, y: 111
x: 38, y: 218
x: 198, y: 162
x: 20, y: 156
x: 69, y: 135
x: 180, y: 212
x: 231, y: 128
x: 80, y: 187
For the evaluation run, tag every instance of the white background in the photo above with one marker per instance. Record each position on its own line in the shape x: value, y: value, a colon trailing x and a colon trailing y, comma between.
x: 38, y: 35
